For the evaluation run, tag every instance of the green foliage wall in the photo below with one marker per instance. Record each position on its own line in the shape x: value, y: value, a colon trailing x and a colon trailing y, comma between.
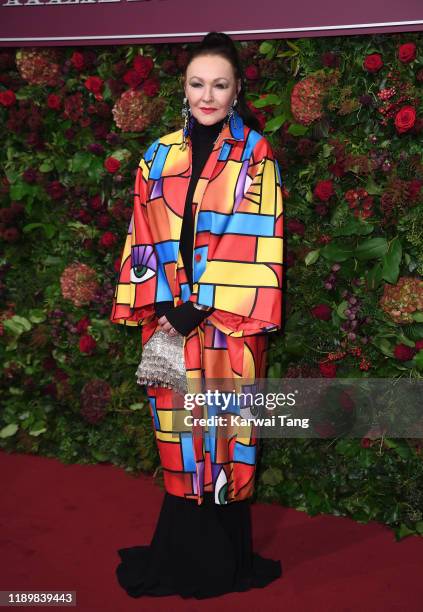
x: 344, y: 115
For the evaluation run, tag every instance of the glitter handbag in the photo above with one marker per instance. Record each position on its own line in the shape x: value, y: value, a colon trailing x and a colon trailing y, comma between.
x: 162, y: 363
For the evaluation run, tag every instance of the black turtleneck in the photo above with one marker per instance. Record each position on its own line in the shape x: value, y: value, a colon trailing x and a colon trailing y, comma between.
x: 186, y: 317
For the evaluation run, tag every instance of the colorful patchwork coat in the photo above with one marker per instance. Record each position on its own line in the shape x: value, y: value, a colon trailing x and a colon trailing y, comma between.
x: 237, y: 268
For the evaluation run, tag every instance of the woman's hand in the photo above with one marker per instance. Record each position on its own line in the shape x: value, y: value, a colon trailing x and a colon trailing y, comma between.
x: 166, y: 326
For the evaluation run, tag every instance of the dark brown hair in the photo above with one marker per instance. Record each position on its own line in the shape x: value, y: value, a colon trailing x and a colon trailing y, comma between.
x: 219, y: 43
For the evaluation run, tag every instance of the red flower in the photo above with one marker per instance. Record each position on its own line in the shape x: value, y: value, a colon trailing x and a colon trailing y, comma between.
x: 322, y: 312
x: 373, y: 62
x: 87, y: 344
x: 7, y: 98
x: 414, y: 188
x: 96, y: 203
x: 56, y: 190
x: 151, y: 87
x: 321, y: 210
x: 252, y: 73
x: 112, y: 164
x: 419, y: 345
x: 403, y: 352
x: 132, y: 78
x: 295, y: 227
x: 77, y: 60
x: 407, y: 52
x: 95, y: 85
x: 82, y: 325
x: 405, y: 119
x: 324, y: 190
x: 365, y: 442
x: 117, y: 264
x: 108, y: 240
x: 54, y: 101
x: 143, y: 65
x: 327, y: 369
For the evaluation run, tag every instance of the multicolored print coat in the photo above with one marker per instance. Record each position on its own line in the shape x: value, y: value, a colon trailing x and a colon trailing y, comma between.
x: 237, y: 269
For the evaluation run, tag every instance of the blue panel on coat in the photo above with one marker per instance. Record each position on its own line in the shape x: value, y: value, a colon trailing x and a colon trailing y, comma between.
x: 159, y: 161
x: 150, y: 151
x: 238, y: 223
x: 163, y: 293
x: 245, y: 454
x: 152, y: 401
x: 224, y: 153
x: 211, y: 446
x: 206, y: 295
x: 185, y: 291
x: 252, y: 139
x: 199, y: 266
x: 278, y: 171
x: 167, y: 251
x: 246, y: 224
x: 187, y: 451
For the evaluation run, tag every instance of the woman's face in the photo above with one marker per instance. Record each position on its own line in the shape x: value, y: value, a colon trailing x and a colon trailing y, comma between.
x: 210, y: 84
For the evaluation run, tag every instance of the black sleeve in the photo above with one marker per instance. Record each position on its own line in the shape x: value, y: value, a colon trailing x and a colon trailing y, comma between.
x: 162, y: 307
x: 186, y: 317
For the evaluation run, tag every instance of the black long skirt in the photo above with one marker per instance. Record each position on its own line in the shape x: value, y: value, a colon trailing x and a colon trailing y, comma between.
x: 197, y: 551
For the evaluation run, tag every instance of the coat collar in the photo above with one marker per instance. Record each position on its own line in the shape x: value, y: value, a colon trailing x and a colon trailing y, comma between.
x: 234, y: 130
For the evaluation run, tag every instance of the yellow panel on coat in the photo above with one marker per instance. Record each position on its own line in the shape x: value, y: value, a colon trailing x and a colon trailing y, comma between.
x: 236, y: 273
x: 232, y: 298
x: 269, y: 250
x: 268, y: 189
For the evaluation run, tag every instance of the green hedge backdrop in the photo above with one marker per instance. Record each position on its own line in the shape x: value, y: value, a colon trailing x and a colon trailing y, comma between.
x: 345, y: 118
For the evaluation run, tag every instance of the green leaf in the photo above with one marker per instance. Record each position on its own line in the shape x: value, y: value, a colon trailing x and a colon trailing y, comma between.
x: 36, y: 432
x: 266, y: 47
x: 312, y: 257
x: 136, y: 406
x: 49, y: 228
x: 353, y: 227
x: 417, y: 316
x: 81, y: 161
x: 336, y: 252
x: 391, y: 261
x: 383, y: 345
x: 272, y: 476
x: 46, y: 166
x: 9, y: 430
x: 270, y: 99
x: 341, y: 309
x: 372, y: 248
x: 374, y: 277
x: 403, y: 531
x: 296, y: 129
x: 418, y: 358
x: 373, y: 188
x: 98, y: 455
x: 275, y: 123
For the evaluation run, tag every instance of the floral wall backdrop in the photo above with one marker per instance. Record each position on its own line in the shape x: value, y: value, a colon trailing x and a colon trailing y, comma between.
x: 345, y: 118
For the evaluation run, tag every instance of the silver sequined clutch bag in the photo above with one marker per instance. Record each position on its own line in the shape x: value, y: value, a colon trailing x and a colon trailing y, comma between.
x: 163, y: 363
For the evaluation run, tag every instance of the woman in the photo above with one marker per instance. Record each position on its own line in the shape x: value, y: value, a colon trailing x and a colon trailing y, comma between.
x: 203, y: 258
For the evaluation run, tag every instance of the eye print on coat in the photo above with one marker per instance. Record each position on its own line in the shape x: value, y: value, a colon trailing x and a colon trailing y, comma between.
x: 144, y: 263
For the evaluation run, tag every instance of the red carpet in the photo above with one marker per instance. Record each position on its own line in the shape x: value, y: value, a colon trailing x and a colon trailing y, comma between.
x: 62, y: 525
